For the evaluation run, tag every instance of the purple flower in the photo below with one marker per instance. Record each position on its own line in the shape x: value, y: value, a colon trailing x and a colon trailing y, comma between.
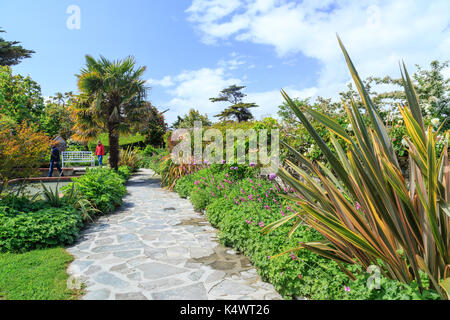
x: 223, y: 161
x: 252, y: 164
x: 272, y: 176
x: 347, y: 288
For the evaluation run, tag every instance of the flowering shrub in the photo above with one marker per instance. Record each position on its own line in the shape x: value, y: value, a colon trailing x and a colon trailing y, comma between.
x: 241, y: 208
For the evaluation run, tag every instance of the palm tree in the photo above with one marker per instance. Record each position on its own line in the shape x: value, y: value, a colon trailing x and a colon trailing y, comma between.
x: 112, y: 96
x: 58, y: 98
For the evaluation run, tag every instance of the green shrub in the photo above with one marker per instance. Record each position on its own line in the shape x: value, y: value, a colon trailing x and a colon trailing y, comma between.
x: 102, y: 187
x: 125, y: 172
x: 36, y: 225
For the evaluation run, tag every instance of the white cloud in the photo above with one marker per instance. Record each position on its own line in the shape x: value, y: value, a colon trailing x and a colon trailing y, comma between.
x: 377, y: 33
x: 193, y: 88
x: 164, y: 82
x: 269, y: 101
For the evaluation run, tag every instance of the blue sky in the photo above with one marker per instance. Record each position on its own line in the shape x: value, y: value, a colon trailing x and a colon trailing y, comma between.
x: 193, y: 49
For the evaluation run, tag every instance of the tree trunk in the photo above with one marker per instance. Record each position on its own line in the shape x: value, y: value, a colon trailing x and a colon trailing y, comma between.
x: 113, y: 137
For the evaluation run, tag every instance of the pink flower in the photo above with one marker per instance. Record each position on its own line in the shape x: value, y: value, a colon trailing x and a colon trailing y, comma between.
x: 358, y: 206
x: 268, y: 257
x: 347, y: 288
x: 300, y: 276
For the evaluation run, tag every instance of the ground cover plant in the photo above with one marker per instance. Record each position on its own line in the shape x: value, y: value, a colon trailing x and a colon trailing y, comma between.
x: 26, y: 225
x: 242, y: 206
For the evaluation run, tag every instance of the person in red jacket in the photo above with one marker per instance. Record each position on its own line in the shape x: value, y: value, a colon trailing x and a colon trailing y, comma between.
x: 100, y: 152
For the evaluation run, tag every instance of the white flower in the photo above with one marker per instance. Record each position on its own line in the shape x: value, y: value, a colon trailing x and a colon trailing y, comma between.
x: 350, y: 127
x: 433, y: 99
x: 404, y: 142
x: 435, y: 122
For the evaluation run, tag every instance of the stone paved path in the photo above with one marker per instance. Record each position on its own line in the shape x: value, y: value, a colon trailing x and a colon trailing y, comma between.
x: 157, y: 247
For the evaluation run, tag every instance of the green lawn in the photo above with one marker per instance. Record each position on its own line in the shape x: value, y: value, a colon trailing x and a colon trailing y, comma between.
x: 123, y: 140
x: 35, y: 275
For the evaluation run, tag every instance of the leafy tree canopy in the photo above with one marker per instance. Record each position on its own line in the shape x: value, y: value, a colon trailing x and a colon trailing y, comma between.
x: 187, y: 121
x: 11, y: 53
x: 20, y: 97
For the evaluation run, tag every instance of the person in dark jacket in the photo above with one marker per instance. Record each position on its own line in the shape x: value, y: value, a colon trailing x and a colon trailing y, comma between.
x: 55, y: 160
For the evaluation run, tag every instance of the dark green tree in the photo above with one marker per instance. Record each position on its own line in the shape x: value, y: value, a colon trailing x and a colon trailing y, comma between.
x: 238, y: 110
x: 11, y: 53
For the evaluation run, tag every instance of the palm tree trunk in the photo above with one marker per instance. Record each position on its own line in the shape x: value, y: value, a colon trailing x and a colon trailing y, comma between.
x: 113, y: 137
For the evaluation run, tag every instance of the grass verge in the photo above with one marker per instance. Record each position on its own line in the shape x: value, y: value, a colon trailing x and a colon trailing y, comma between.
x: 36, y: 275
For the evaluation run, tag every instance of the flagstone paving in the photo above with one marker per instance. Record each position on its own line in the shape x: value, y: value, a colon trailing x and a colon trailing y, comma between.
x: 155, y: 247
